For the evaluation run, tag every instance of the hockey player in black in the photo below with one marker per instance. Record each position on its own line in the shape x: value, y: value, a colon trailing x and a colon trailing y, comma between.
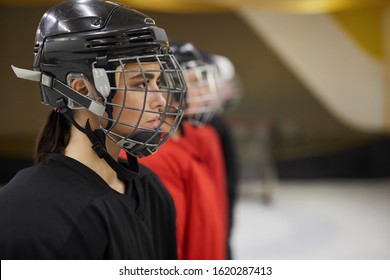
x: 109, y: 74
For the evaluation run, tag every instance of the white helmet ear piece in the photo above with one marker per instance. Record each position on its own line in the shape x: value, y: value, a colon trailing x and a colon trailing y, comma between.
x: 102, y: 84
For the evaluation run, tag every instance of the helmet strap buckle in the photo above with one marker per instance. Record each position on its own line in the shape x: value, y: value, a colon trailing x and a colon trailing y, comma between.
x: 61, y: 106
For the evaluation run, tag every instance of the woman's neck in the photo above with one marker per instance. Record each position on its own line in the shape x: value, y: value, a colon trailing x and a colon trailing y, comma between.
x: 80, y: 149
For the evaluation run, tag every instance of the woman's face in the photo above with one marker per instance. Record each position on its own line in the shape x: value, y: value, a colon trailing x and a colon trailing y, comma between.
x: 194, y: 93
x: 137, y: 102
x: 201, y: 93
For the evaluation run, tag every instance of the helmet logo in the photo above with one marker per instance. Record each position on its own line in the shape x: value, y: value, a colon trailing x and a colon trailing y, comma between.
x: 96, y: 21
x: 149, y: 21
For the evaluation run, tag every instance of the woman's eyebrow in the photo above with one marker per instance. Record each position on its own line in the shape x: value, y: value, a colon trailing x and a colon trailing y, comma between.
x: 142, y: 75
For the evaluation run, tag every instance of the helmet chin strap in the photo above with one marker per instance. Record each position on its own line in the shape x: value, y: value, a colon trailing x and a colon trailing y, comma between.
x: 97, y: 138
x: 145, y: 138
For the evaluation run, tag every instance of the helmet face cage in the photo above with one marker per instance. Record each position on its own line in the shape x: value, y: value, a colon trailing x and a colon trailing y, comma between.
x: 135, y: 124
x: 202, y: 100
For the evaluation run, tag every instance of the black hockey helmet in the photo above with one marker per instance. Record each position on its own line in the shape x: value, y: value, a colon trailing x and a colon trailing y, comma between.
x: 94, y: 40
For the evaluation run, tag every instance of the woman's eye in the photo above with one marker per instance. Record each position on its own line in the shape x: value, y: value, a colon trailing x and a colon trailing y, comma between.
x: 143, y: 84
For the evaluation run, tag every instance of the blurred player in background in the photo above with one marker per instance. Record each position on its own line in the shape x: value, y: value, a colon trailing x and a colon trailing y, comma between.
x: 229, y: 94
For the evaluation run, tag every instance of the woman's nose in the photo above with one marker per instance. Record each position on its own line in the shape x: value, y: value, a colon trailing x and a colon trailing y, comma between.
x: 157, y: 100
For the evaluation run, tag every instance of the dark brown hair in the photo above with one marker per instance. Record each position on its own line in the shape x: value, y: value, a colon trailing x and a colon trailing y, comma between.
x: 54, y: 137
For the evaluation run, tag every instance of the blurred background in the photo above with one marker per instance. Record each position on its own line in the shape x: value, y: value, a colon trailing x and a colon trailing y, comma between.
x: 312, y: 127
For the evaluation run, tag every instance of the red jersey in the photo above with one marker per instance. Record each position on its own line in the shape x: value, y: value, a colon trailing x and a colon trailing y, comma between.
x: 201, y: 231
x: 209, y: 148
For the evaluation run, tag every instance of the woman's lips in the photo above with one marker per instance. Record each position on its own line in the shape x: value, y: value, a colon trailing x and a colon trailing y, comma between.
x: 153, y: 123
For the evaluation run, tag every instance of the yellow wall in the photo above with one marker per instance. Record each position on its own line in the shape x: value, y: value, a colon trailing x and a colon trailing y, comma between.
x: 366, y: 27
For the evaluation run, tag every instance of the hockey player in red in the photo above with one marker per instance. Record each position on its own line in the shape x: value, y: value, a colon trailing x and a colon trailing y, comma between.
x: 207, y: 144
x: 200, y: 228
x: 205, y: 137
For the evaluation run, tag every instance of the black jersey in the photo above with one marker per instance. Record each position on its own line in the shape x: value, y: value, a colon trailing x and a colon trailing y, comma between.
x: 61, y: 209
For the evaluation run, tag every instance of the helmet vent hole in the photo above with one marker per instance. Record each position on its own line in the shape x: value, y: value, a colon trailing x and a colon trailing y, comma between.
x: 120, y: 40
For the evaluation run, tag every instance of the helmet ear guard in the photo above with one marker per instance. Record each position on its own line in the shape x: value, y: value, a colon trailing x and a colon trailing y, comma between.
x: 88, y: 90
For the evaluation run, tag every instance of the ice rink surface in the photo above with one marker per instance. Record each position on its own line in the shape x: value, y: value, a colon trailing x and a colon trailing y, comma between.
x: 313, y: 220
